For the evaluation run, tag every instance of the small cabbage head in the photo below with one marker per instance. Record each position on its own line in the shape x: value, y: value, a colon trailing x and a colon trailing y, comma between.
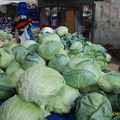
x: 59, y: 62
x: 109, y: 82
x: 102, y: 64
x: 76, y: 48
x: 62, y: 30
x: 32, y: 59
x: 49, y: 49
x: 64, y: 100
x: 108, y: 57
x: 48, y: 37
x: 98, y: 48
x: 46, y: 30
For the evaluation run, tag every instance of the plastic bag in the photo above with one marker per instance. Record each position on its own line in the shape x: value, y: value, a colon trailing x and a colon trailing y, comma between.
x: 25, y: 35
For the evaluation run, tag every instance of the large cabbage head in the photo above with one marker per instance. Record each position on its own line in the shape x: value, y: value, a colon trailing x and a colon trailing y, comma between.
x: 58, y: 62
x: 17, y: 109
x: 109, y: 82
x: 64, y: 100
x: 32, y: 59
x: 62, y: 30
x: 39, y: 84
x: 86, y: 63
x: 6, y: 57
x: 48, y: 37
x: 93, y: 106
x: 82, y: 72
x: 49, y: 49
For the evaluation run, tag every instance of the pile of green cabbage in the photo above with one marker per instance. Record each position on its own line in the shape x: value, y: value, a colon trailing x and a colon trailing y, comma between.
x: 58, y: 72
x: 7, y: 40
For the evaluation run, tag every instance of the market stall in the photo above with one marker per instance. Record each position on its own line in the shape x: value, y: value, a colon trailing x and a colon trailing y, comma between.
x: 60, y: 76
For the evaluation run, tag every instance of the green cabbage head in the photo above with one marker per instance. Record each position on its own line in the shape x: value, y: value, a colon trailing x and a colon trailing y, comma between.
x: 109, y: 82
x: 62, y: 30
x: 17, y: 109
x: 39, y: 84
x: 48, y: 37
x: 64, y: 100
x: 6, y: 57
x: 93, y: 106
x: 20, y: 52
x: 49, y: 49
x: 7, y: 86
x: 32, y: 59
x: 46, y: 30
x: 76, y: 48
x: 11, y: 68
x: 58, y: 62
x: 82, y: 72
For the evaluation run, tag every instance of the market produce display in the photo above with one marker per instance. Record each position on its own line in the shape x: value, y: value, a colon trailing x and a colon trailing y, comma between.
x: 58, y: 72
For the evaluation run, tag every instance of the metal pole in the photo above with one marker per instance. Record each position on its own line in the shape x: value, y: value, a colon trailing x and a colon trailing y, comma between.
x: 93, y: 21
x: 39, y: 13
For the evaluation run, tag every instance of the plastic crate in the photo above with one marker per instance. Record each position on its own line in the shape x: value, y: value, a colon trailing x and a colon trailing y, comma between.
x: 55, y: 116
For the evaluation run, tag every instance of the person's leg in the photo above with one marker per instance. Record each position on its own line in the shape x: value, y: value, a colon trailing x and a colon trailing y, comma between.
x: 30, y: 34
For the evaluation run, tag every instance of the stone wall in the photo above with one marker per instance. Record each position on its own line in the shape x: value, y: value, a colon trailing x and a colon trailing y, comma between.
x: 108, y: 23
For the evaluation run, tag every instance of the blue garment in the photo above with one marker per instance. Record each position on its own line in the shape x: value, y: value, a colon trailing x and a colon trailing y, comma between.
x: 22, y: 8
x: 30, y: 34
x: 55, y: 116
x: 1, y: 101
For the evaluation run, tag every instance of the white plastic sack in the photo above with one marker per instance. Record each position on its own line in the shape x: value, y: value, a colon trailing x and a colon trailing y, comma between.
x: 25, y: 35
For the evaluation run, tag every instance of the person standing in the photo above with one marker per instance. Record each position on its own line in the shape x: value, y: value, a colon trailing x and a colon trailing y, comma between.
x: 22, y: 23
